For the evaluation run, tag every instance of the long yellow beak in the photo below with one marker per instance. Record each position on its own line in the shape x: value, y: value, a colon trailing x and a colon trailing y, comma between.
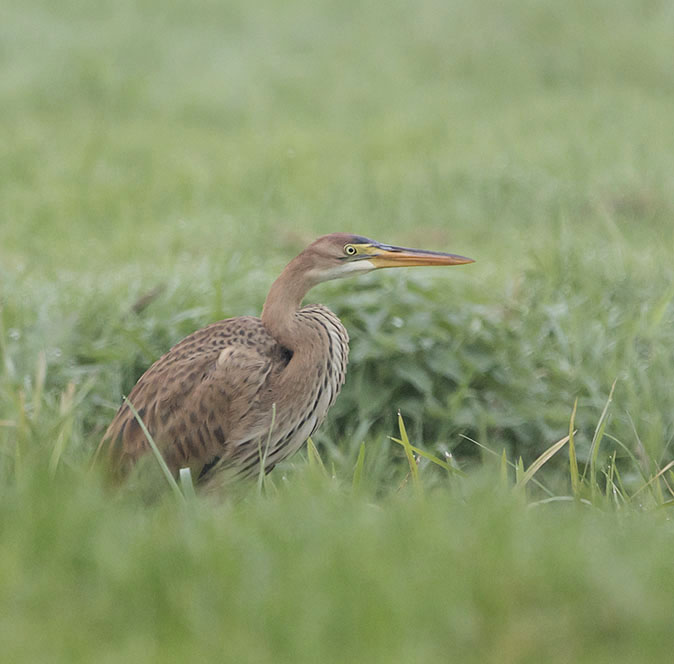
x: 388, y: 256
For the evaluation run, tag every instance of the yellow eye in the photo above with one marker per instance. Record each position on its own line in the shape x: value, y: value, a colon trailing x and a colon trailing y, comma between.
x: 350, y: 250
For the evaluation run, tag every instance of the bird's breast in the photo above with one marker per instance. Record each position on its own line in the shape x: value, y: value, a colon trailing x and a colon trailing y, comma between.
x: 318, y: 367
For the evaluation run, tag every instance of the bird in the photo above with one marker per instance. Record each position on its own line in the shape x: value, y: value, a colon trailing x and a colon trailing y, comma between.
x: 238, y: 396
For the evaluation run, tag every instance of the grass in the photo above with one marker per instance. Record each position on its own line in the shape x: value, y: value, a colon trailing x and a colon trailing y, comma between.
x: 317, y: 572
x: 159, y: 166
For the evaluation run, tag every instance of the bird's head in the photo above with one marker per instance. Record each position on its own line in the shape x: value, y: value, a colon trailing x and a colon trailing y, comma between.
x: 344, y: 255
x: 333, y: 257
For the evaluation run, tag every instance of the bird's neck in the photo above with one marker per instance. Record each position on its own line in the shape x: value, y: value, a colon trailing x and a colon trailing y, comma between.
x: 284, y: 299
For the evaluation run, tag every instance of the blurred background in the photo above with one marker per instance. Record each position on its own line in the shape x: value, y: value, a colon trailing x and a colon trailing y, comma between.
x: 161, y: 162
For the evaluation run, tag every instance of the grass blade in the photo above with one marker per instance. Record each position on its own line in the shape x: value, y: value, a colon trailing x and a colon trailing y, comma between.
x: 655, y: 477
x: 263, y: 453
x: 185, y: 475
x: 519, y: 473
x: 314, y: 458
x: 358, y: 470
x: 538, y: 463
x: 450, y: 467
x: 540, y: 485
x: 405, y: 442
x: 573, y: 462
x: 66, y: 428
x: 40, y: 377
x: 596, y: 442
x: 155, y: 451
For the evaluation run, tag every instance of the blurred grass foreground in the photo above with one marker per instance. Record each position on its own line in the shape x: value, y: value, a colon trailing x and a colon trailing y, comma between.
x: 159, y: 165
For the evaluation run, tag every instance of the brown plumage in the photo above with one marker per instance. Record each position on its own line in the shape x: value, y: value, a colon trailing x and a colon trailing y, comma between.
x: 246, y: 389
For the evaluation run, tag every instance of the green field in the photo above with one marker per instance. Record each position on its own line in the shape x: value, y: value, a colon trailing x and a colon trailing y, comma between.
x: 161, y: 162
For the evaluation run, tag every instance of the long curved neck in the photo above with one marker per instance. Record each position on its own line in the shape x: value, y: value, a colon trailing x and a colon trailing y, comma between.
x: 284, y: 299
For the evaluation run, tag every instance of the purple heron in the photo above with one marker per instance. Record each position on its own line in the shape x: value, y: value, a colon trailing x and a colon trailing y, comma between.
x: 246, y: 391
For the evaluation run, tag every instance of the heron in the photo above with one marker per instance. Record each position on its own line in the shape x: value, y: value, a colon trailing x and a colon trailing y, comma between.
x: 240, y: 395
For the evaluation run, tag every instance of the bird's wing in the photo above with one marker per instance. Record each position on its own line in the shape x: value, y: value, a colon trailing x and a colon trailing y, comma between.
x: 196, y: 397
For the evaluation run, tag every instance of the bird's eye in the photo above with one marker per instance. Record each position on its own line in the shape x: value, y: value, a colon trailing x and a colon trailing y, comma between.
x: 350, y: 250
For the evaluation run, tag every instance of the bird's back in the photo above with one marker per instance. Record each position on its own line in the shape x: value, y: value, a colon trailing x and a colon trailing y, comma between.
x: 211, y: 400
x: 192, y: 398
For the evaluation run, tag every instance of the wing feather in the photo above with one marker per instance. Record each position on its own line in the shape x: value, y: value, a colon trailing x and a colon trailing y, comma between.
x: 201, y: 399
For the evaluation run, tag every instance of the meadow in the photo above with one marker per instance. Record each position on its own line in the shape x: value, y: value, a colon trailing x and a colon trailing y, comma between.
x: 161, y: 162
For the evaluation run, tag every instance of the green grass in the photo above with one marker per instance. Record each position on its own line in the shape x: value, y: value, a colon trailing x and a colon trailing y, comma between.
x: 188, y: 151
x: 316, y: 572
